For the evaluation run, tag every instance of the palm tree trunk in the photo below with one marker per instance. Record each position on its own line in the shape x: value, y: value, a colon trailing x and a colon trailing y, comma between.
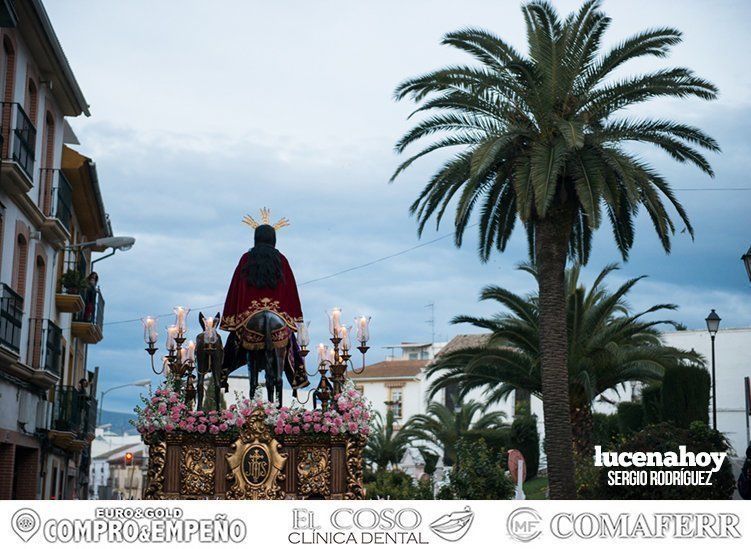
x: 582, y: 426
x: 551, y: 247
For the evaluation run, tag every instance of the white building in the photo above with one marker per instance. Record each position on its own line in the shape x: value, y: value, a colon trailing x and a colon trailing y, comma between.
x: 733, y: 364
x: 105, y: 447
x: 50, y: 202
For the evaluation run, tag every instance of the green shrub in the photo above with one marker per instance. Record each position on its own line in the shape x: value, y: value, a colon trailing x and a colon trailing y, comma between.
x: 685, y: 395
x: 525, y: 438
x: 605, y: 429
x: 630, y: 417
x: 395, y: 484
x: 478, y: 473
x: 651, y: 401
x: 666, y: 437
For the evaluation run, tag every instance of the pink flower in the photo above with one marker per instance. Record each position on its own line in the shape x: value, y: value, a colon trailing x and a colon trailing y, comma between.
x: 223, y: 427
x: 213, y: 429
x: 169, y: 427
x: 278, y: 430
x: 288, y: 429
x: 295, y: 430
x: 201, y: 428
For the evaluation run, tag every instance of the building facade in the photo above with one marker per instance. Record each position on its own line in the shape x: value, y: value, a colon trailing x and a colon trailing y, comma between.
x: 50, y: 204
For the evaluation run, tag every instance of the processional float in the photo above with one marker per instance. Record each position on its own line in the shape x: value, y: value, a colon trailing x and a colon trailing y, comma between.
x: 256, y: 448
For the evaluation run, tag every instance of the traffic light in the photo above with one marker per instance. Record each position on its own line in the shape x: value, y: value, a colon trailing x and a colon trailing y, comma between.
x: 128, y: 458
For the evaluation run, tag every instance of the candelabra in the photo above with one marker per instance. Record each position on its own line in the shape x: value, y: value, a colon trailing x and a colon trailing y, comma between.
x: 179, y: 361
x: 338, y: 359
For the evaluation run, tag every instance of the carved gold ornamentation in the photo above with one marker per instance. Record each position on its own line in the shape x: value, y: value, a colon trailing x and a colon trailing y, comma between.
x: 255, y: 462
x: 353, y: 454
x: 155, y: 476
x: 314, y: 472
x: 197, y: 468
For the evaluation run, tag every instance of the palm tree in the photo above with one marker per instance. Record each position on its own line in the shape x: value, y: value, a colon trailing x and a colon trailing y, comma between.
x: 386, y: 445
x: 442, y: 427
x: 608, y: 346
x: 541, y: 141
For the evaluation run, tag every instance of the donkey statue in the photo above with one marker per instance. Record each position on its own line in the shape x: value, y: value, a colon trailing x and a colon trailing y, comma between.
x: 264, y: 343
x: 209, y: 359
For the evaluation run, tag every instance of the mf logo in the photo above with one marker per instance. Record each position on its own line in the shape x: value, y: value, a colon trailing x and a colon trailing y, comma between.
x: 523, y: 524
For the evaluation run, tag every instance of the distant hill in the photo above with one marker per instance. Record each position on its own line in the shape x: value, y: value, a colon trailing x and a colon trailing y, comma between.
x: 120, y: 422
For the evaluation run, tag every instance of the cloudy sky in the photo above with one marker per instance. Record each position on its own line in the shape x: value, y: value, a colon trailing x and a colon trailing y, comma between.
x: 205, y: 111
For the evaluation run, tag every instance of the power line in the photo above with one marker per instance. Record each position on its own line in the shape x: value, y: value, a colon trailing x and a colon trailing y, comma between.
x: 319, y: 279
x: 397, y: 254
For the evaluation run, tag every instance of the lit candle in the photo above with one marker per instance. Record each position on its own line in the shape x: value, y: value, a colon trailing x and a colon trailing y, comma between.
x: 184, y: 354
x: 150, y: 334
x: 363, y: 329
x: 191, y: 350
x: 171, y: 334
x: 181, y: 315
x: 303, y: 336
x: 321, y: 352
x: 344, y: 336
x: 335, y: 321
x: 209, y: 331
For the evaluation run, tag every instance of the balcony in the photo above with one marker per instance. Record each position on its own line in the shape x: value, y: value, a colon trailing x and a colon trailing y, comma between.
x: 88, y: 324
x: 11, y: 323
x: 44, y: 354
x: 73, y: 419
x: 19, y: 137
x: 56, y: 200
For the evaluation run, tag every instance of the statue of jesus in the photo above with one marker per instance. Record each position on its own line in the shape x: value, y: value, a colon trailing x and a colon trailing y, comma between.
x: 262, y: 310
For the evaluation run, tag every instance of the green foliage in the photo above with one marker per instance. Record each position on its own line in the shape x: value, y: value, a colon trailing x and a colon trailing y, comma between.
x: 398, y: 485
x: 630, y: 417
x: 685, y: 395
x: 537, y: 130
x: 605, y: 429
x: 478, y: 473
x: 442, y: 427
x: 608, y: 344
x: 386, y: 446
x: 73, y: 280
x: 651, y: 400
x: 525, y: 438
x: 666, y: 437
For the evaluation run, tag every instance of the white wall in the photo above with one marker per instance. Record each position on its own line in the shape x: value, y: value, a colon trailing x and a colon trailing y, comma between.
x: 733, y: 363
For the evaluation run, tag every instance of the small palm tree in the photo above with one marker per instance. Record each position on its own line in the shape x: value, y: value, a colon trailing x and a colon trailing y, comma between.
x: 608, y: 346
x: 386, y: 446
x: 542, y: 140
x: 442, y: 427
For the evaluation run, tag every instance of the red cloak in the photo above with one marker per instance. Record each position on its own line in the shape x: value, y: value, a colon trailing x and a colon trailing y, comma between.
x: 244, y: 300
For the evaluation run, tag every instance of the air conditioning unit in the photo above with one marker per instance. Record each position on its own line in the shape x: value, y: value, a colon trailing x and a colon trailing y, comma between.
x: 24, y: 401
x: 44, y: 414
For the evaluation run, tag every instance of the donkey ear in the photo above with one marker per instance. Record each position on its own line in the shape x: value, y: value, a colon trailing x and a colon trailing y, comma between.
x: 200, y: 320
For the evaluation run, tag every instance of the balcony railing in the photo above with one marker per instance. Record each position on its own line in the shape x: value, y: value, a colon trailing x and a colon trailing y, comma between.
x: 56, y: 195
x: 11, y: 318
x: 45, y: 345
x: 75, y: 411
x: 21, y: 135
x: 93, y: 310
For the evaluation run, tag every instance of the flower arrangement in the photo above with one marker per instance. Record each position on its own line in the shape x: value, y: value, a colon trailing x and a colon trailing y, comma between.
x: 165, y: 410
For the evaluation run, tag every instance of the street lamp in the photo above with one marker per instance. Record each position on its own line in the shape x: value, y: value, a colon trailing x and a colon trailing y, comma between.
x: 746, y: 258
x: 139, y: 383
x: 713, y: 325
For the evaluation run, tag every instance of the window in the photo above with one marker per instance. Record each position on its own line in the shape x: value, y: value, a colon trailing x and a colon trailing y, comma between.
x: 412, y: 356
x: 395, y: 400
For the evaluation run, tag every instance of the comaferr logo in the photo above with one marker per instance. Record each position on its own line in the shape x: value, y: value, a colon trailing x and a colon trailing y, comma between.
x: 658, y: 525
x: 524, y: 524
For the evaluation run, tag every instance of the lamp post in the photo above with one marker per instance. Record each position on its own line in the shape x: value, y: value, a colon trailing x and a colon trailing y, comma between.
x: 140, y: 383
x: 746, y: 258
x: 713, y: 325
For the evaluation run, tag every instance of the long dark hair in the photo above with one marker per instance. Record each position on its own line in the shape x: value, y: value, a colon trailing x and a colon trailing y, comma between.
x: 263, y: 268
